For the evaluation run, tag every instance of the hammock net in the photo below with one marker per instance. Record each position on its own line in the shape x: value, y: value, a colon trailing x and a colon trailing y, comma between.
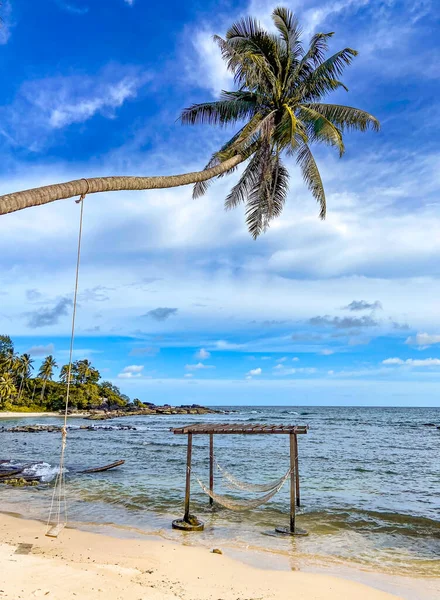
x: 249, y: 487
x: 244, y: 504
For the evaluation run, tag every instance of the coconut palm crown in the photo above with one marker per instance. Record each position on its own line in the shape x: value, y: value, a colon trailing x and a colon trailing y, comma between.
x: 279, y: 99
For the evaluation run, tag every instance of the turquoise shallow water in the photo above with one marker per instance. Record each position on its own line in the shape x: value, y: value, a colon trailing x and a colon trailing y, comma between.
x: 370, y: 482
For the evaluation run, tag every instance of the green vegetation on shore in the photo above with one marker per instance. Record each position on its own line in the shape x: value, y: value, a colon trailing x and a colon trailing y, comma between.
x: 19, y: 391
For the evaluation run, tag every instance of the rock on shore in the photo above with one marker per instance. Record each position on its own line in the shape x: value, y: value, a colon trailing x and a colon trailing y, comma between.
x: 152, y: 409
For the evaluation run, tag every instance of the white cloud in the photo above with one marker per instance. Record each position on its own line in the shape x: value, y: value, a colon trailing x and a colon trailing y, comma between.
x: 295, y: 359
x: 327, y: 352
x: 41, y: 350
x: 110, y: 97
x: 282, y: 370
x: 423, y: 340
x: 42, y: 107
x: 6, y: 22
x: 72, y: 8
x: 198, y: 366
x: 131, y: 371
x: 208, y: 61
x: 203, y: 354
x: 224, y: 345
x: 256, y: 371
x: 411, y: 362
x: 393, y: 361
x: 188, y: 375
x: 281, y: 360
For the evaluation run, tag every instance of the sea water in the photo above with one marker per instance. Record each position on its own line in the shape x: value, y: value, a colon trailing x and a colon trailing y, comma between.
x: 370, y: 482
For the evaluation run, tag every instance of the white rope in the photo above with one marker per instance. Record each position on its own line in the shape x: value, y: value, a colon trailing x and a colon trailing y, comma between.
x: 59, y: 491
x: 241, y: 505
x: 248, y: 487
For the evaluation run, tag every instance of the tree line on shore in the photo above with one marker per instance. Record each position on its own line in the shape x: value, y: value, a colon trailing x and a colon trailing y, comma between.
x: 20, y: 390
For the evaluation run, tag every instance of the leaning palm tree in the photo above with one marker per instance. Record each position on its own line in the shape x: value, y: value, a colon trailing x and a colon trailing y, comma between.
x: 46, y: 372
x: 279, y: 110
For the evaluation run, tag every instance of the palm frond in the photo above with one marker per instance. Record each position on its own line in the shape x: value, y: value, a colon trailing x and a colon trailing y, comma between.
x: 266, y: 200
x: 221, y: 112
x: 312, y: 177
x: 248, y: 180
x: 310, y: 60
x: 319, y: 128
x: 290, y: 31
x: 255, y: 46
x: 243, y: 29
x: 289, y: 129
x: 250, y: 68
x: 346, y: 117
x: 334, y: 66
x: 318, y: 48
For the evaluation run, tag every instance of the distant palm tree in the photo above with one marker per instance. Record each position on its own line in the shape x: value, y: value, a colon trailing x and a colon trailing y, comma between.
x: 7, y: 361
x: 64, y: 373
x: 46, y: 372
x: 7, y: 388
x: 279, y: 98
x: 23, y: 368
x: 86, y: 372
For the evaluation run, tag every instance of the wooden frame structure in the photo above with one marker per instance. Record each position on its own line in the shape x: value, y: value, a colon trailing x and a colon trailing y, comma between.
x: 191, y: 523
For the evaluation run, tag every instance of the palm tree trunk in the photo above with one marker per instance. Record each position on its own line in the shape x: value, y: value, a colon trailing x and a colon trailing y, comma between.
x: 20, y: 388
x: 42, y: 391
x: 59, y: 191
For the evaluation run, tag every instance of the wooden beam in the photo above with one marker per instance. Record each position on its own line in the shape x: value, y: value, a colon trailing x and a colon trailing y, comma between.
x: 239, y: 428
x: 292, y: 483
x: 298, y: 498
x: 188, y: 477
x: 211, y: 466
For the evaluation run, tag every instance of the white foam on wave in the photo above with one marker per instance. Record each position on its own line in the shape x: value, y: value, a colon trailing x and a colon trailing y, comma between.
x: 43, y: 470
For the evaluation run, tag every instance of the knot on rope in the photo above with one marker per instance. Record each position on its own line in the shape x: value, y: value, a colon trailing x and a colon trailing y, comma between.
x: 83, y: 195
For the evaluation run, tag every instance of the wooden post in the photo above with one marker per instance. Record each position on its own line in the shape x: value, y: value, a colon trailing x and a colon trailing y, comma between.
x: 298, y: 498
x: 188, y: 477
x: 211, y: 466
x: 292, y: 482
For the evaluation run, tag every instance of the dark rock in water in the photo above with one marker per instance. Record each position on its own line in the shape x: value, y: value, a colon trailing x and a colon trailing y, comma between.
x: 57, y: 429
x: 149, y: 408
x: 216, y: 551
x: 429, y: 425
x: 31, y: 429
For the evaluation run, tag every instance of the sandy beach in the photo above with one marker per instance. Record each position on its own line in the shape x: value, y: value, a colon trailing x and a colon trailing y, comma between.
x: 19, y: 415
x: 87, y: 565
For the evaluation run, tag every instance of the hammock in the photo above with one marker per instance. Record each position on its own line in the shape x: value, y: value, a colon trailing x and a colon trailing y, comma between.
x: 241, y: 505
x: 249, y: 487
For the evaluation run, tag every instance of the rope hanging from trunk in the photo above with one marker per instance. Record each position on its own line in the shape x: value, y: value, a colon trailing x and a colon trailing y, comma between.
x: 57, y: 519
x: 242, y: 505
x: 243, y: 485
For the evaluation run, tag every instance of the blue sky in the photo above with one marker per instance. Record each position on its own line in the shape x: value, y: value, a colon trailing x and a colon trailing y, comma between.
x: 177, y: 302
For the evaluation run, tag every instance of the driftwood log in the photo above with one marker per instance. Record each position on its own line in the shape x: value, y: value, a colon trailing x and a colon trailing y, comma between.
x: 17, y: 476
